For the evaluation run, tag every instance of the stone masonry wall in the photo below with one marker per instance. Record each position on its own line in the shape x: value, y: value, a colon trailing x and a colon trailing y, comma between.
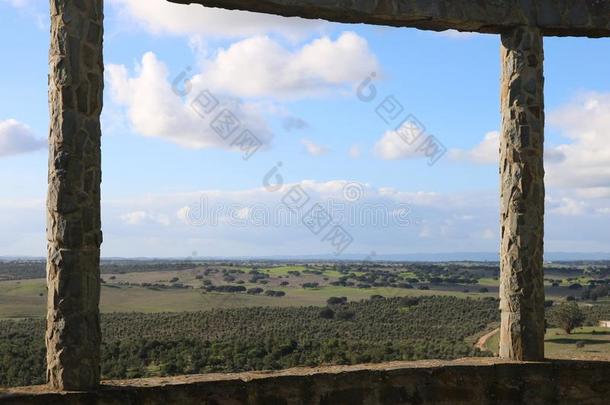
x: 554, y: 17
x: 73, y: 200
x: 468, y: 381
x: 522, y: 195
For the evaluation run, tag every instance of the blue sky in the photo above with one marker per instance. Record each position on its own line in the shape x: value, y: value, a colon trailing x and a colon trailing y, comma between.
x: 293, y: 84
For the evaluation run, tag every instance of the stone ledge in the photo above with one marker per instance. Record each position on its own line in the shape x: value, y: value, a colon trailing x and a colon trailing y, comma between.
x: 465, y: 381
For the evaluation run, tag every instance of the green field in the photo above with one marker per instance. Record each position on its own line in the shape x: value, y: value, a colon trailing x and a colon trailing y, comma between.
x: 174, y: 287
x: 596, y: 344
x: 488, y: 281
x: 27, y: 298
x: 23, y: 298
x: 282, y: 270
x: 559, y: 345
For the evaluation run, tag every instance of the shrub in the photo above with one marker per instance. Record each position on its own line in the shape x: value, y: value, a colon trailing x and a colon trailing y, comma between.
x: 336, y: 300
x: 409, y: 301
x: 327, y: 313
x: 345, y: 315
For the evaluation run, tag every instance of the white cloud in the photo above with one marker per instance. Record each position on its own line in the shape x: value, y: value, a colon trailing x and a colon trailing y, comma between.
x: 454, y: 34
x: 38, y: 10
x: 392, y: 146
x: 254, y: 67
x: 17, y: 138
x: 143, y: 217
x: 18, y: 3
x: 583, y: 163
x: 566, y: 206
x: 260, y: 66
x: 486, y: 152
x: 255, y: 222
x: 155, y: 110
x: 314, y: 149
x: 163, y: 17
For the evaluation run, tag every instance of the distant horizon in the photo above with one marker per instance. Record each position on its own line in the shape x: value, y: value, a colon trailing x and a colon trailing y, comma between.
x: 391, y: 257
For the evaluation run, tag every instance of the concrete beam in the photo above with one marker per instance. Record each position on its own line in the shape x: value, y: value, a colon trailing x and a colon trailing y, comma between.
x: 587, y: 18
x: 74, y: 235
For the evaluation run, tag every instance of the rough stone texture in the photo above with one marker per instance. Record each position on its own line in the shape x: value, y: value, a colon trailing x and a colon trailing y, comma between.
x: 554, y: 17
x: 73, y: 200
x: 74, y: 229
x: 522, y: 195
x: 468, y: 381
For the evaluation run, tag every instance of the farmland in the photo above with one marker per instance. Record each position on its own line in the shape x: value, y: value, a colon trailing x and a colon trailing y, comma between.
x: 174, y: 286
x: 180, y: 317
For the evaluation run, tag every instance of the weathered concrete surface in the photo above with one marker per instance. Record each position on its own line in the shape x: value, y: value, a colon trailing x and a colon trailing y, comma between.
x: 554, y: 17
x: 468, y: 381
x: 522, y: 195
x: 73, y: 200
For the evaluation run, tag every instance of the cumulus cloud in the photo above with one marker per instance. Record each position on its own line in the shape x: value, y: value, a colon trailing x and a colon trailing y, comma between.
x: 144, y: 217
x: 260, y: 66
x: 313, y: 148
x: 160, y: 106
x: 392, y: 146
x: 566, y: 206
x: 154, y: 109
x: 255, y: 222
x: 258, y: 222
x: 583, y: 163
x: 17, y: 138
x: 486, y: 152
x: 163, y: 17
x: 577, y: 174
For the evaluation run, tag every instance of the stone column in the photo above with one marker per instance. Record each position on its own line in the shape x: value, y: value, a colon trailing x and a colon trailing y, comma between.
x: 73, y: 200
x: 522, y: 195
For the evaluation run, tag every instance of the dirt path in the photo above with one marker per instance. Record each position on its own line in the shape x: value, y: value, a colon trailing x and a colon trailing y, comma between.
x: 480, y: 344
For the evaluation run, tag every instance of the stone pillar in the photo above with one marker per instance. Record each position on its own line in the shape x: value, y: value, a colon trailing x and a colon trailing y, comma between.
x: 73, y: 201
x: 522, y: 195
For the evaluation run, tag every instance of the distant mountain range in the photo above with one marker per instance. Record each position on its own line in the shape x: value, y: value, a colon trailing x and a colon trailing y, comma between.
x: 406, y: 257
